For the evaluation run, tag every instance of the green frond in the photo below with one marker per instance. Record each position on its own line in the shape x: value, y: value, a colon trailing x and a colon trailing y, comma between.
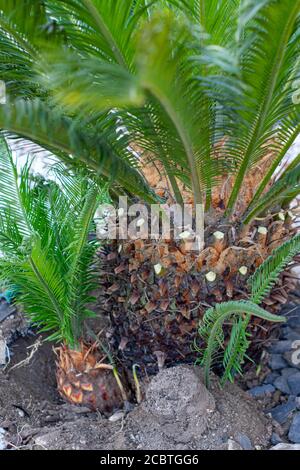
x: 235, y: 351
x: 261, y: 283
x: 286, y: 187
x: 13, y: 201
x: 266, y: 275
x: 211, y: 327
x: 66, y: 138
x: 268, y: 64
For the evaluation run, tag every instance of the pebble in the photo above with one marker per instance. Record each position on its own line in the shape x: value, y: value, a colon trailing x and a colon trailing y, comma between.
x: 294, y: 383
x: 233, y: 445
x: 291, y: 357
x: 277, y: 362
x: 294, y: 432
x: 275, y: 439
x: 281, y: 346
x: 270, y: 378
x: 3, y: 443
x: 284, y: 446
x: 261, y: 391
x: 288, y: 371
x: 294, y: 319
x: 281, y: 384
x: 116, y: 416
x: 290, y: 334
x: 244, y: 441
x: 281, y: 413
x: 2, y: 352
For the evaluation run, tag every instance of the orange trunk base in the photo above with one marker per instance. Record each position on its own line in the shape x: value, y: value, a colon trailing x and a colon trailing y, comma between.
x: 83, y: 379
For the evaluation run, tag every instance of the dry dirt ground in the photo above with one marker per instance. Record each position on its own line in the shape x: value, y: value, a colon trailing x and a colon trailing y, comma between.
x: 177, y: 413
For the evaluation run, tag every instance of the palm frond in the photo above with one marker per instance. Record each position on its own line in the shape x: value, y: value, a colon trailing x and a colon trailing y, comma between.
x: 268, y: 65
x: 211, y: 330
x: 286, y: 187
x: 266, y: 275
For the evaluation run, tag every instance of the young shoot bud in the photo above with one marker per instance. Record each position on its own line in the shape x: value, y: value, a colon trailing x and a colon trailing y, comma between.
x: 219, y: 235
x: 262, y: 230
x: 211, y: 276
x: 184, y: 235
x: 243, y: 270
x: 157, y: 268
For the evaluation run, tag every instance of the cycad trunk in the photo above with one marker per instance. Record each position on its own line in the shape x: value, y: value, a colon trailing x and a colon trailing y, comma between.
x: 155, y: 317
x: 83, y: 379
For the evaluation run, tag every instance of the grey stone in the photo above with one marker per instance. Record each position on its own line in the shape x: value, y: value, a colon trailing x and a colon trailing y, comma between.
x: 281, y: 384
x: 292, y: 358
x: 3, y: 443
x: 290, y: 334
x: 281, y: 413
x: 284, y: 446
x: 275, y: 439
x: 294, y: 318
x: 288, y: 371
x: 294, y: 383
x: 294, y: 432
x: 244, y: 441
x: 277, y: 362
x: 2, y: 352
x: 261, y: 390
x: 270, y: 378
x: 233, y: 445
x: 281, y: 346
x: 6, y: 310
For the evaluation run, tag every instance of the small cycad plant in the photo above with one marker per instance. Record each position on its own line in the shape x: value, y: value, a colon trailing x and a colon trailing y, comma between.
x: 240, y: 312
x: 47, y: 257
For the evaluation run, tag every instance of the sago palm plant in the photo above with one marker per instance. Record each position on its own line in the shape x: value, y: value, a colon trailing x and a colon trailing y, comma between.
x: 47, y: 258
x: 205, y: 92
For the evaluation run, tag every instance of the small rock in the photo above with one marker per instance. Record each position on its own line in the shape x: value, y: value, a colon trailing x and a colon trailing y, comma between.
x: 3, y: 443
x: 281, y: 384
x: 289, y: 334
x: 281, y: 346
x: 233, y: 445
x: 294, y: 433
x: 287, y: 371
x: 47, y: 440
x: 261, y: 391
x: 292, y: 359
x: 270, y: 378
x: 294, y: 318
x: 284, y: 446
x: 277, y: 362
x: 281, y: 413
x: 275, y: 439
x: 294, y: 383
x: 116, y: 416
x: 244, y: 441
x: 2, y: 352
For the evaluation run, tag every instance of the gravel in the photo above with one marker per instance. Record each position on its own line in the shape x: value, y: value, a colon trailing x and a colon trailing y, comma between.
x: 277, y: 362
x: 244, y: 441
x: 281, y: 413
x: 261, y: 390
x: 3, y: 443
x: 284, y: 446
x: 294, y: 383
x: 2, y: 352
x: 294, y: 433
x: 281, y: 384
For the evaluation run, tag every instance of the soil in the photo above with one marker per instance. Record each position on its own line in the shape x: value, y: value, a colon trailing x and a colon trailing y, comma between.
x: 34, y: 416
